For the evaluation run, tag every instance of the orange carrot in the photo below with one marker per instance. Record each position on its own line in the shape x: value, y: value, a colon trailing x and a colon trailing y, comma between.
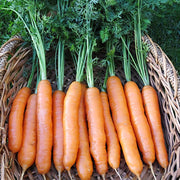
x: 123, y: 125
x: 139, y: 122
x: 84, y: 163
x: 16, y: 119
x: 151, y: 106
x: 70, y: 124
x: 97, y: 136
x: 27, y: 153
x: 58, y: 103
x: 44, y: 126
x: 113, y: 147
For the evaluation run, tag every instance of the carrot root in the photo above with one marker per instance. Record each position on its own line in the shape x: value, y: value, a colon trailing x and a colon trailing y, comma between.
x: 22, y: 175
x: 69, y: 173
x: 103, y: 176
x: 152, y: 171
x: 59, y: 175
x: 118, y: 174
x: 44, y: 177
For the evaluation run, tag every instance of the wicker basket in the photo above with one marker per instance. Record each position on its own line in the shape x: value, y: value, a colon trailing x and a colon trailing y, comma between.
x: 163, y: 77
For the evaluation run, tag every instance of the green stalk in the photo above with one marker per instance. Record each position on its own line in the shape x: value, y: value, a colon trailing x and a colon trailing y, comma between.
x: 139, y: 48
x: 81, y: 62
x: 103, y: 88
x: 60, y: 73
x: 110, y: 56
x: 33, y: 70
x: 127, y: 61
x: 89, y: 65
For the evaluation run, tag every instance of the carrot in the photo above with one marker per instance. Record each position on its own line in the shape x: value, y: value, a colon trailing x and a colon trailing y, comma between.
x: 44, y: 96
x: 123, y: 125
x: 152, y: 110
x: 113, y: 146
x: 136, y: 110
x: 139, y: 122
x: 97, y: 136
x: 150, y: 99
x: 44, y: 126
x: 84, y: 163
x: 70, y: 114
x: 16, y: 119
x: 27, y: 153
x: 111, y: 136
x: 95, y: 117
x: 58, y: 103
x: 70, y: 124
x: 58, y: 106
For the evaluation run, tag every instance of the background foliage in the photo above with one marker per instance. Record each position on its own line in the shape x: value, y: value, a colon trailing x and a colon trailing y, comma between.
x: 160, y: 19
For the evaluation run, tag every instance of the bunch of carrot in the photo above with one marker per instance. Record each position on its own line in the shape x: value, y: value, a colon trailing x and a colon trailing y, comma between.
x: 77, y: 126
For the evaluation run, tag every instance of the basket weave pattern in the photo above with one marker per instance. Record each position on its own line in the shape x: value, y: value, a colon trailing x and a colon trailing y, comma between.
x: 163, y: 77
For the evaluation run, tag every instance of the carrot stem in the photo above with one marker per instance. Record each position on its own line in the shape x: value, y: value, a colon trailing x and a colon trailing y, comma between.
x: 33, y: 69
x: 110, y: 56
x: 103, y: 88
x: 60, y: 73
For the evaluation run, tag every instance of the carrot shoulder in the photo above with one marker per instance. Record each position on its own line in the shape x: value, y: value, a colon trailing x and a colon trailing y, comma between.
x: 97, y: 138
x: 16, y: 117
x: 113, y: 146
x: 139, y: 122
x: 70, y: 124
x: 58, y: 104
x: 123, y: 125
x: 84, y: 162
x: 44, y: 126
x: 152, y: 111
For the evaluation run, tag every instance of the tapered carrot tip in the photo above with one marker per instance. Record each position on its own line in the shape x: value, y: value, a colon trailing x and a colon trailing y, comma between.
x: 22, y: 175
x: 69, y: 173
x: 118, y: 174
x: 103, y: 176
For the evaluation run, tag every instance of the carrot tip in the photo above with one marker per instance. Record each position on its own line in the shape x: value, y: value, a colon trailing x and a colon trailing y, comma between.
x: 118, y: 174
x: 103, y: 176
x: 59, y: 175
x: 69, y: 173
x: 152, y: 171
x: 22, y: 175
x: 44, y: 177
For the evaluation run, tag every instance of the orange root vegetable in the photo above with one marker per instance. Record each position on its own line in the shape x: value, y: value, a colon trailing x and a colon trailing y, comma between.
x: 139, y: 122
x: 113, y: 146
x: 58, y: 104
x: 27, y: 153
x: 97, y: 137
x: 84, y: 162
x: 123, y: 125
x: 16, y: 117
x: 44, y: 126
x: 70, y: 124
x: 152, y: 111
